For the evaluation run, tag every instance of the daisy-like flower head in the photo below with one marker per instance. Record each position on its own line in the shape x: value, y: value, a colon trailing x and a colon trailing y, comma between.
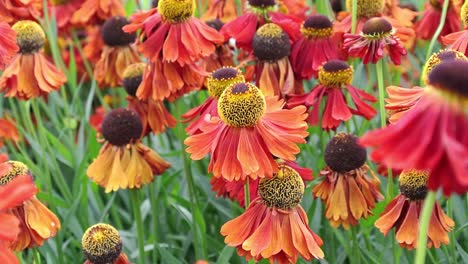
x: 124, y: 162
x: 403, y: 212
x: 335, y: 77
x: 117, y: 53
x: 153, y: 114
x: 30, y: 74
x: 314, y: 47
x: 427, y: 25
x: 102, y: 244
x: 274, y: 227
x: 459, y: 40
x: 216, y: 83
x: 377, y: 35
x: 441, y: 116
x: 248, y: 122
x: 367, y: 8
x: 36, y: 222
x: 346, y: 189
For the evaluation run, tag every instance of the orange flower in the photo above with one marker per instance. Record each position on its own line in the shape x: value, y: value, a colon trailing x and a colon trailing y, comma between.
x: 117, y: 53
x: 12, y: 194
x: 95, y: 11
x: 8, y: 47
x: 102, y: 244
x: 63, y: 11
x: 275, y: 226
x: 154, y: 115
x: 30, y: 74
x: 171, y: 33
x: 216, y: 83
x: 348, y: 192
x: 224, y: 10
x: 248, y: 123
x: 124, y: 162
x: 403, y: 213
x: 93, y: 44
x: 14, y: 10
x: 8, y: 131
x: 3, y: 157
x: 274, y: 73
x: 36, y: 222
x: 223, y: 53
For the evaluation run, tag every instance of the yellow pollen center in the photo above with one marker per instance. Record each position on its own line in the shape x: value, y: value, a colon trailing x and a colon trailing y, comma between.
x: 176, y: 11
x: 241, y: 105
x: 30, y: 36
x: 464, y: 14
x: 134, y: 70
x: 335, y: 79
x: 284, y: 190
x: 316, y: 32
x: 17, y: 168
x: 367, y: 8
x: 216, y: 86
x: 438, y: 58
x: 270, y: 30
x: 414, y: 178
x: 101, y: 239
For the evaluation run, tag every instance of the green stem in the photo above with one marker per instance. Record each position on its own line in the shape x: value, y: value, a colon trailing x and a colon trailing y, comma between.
x: 443, y: 16
x: 155, y: 219
x: 247, y: 194
x: 356, y: 250
x: 135, y: 200
x: 423, y: 227
x: 453, y: 250
x: 354, y: 17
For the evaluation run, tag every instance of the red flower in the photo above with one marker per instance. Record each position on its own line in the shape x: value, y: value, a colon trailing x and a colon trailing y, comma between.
x: 377, y: 35
x: 334, y: 77
x: 8, y: 131
x: 314, y: 47
x: 248, y: 123
x: 438, y: 123
x: 8, y: 47
x: 13, y: 10
x: 459, y: 40
x: 63, y: 11
x: 427, y: 25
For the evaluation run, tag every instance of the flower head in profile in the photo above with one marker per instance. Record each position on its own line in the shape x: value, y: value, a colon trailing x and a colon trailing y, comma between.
x: 376, y: 37
x: 216, y: 83
x: 102, y: 244
x: 248, y: 123
x: 365, y: 9
x: 459, y: 40
x: 274, y: 74
x: 314, y: 47
x: 335, y: 77
x: 347, y: 190
x: 30, y: 74
x: 123, y: 161
x: 12, y: 194
x: 430, y: 20
x: 437, y: 122
x: 404, y: 211
x: 117, y: 54
x: 96, y: 11
x: 154, y: 115
x: 36, y: 222
x: 274, y: 226
x: 8, y: 44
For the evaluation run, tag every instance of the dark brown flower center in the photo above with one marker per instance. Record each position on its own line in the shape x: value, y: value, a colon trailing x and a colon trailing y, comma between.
x: 413, y: 184
x: 343, y: 153
x: 101, y: 244
x: 112, y: 32
x: 132, y: 77
x: 335, y: 73
x: 262, y: 3
x: 451, y: 76
x: 222, y: 78
x: 271, y: 43
x: 215, y: 23
x: 317, y: 26
x: 376, y: 26
x: 121, y: 126
x: 438, y: 58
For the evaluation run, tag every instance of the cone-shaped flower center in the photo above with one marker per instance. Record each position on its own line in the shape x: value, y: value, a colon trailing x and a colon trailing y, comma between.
x: 284, y: 190
x: 241, y: 105
x: 222, y: 78
x: 438, y: 58
x: 335, y: 73
x: 413, y: 184
x: 271, y: 43
x: 17, y: 168
x: 464, y: 14
x: 132, y: 77
x: 317, y: 26
x: 451, y: 79
x: 101, y: 244
x: 112, y: 32
x: 176, y: 11
x: 30, y: 36
x: 376, y: 27
x: 215, y: 23
x: 367, y: 8
x: 121, y: 126
x: 343, y: 153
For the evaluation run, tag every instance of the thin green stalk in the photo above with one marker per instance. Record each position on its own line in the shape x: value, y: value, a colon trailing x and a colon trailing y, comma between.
x: 135, y: 200
x: 423, y: 227
x: 356, y: 258
x: 247, y: 194
x: 443, y: 16
x: 155, y: 219
x: 453, y: 251
x: 354, y: 17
